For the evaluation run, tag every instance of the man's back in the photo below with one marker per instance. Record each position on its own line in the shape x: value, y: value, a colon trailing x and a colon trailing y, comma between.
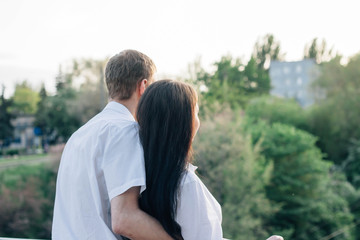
x: 101, y: 160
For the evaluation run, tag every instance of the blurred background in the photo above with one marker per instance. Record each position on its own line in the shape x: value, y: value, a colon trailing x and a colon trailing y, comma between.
x: 279, y: 95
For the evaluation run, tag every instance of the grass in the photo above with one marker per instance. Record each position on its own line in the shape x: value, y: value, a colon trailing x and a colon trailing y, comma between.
x: 22, y: 158
x: 12, y: 176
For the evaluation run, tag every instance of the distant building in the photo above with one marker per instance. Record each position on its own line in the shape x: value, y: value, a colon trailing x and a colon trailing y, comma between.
x: 24, y: 136
x: 293, y: 80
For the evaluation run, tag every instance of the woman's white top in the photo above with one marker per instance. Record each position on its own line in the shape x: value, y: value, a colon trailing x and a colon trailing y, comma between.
x: 198, y: 212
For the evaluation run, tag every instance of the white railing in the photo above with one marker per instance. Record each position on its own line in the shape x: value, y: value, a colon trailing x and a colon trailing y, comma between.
x: 2, y: 238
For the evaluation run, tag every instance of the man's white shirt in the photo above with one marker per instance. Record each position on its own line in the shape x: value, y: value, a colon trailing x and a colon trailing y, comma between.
x: 101, y: 160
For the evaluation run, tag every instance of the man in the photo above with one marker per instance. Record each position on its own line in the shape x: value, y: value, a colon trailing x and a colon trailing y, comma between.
x: 102, y: 172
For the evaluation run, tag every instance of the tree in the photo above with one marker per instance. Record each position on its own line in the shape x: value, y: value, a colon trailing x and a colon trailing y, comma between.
x: 92, y: 96
x: 25, y: 99
x: 195, y: 72
x: 351, y: 167
x: 277, y: 110
x: 63, y: 123
x: 300, y: 182
x: 62, y: 114
x: 234, y: 83
x: 54, y: 117
x: 234, y: 172
x: 347, y: 191
x: 6, y: 128
x: 335, y: 117
x: 226, y: 84
x: 42, y: 120
x: 258, y: 78
x: 266, y: 49
x: 352, y: 164
x: 318, y: 51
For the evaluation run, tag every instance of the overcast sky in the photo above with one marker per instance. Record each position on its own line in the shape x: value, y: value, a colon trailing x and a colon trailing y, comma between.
x: 38, y: 35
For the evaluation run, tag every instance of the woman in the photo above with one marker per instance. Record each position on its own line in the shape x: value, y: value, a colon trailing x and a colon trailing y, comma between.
x: 168, y: 117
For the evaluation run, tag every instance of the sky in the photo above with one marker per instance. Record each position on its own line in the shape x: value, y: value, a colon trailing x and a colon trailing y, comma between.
x: 36, y: 36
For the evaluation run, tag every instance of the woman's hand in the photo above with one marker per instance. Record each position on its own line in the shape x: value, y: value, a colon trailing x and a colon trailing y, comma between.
x: 275, y: 237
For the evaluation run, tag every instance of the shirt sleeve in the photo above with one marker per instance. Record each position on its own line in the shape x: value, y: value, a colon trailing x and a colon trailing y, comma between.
x: 123, y: 161
x: 198, y: 213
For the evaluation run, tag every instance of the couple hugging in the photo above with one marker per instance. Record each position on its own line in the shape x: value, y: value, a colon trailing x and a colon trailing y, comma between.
x: 127, y: 172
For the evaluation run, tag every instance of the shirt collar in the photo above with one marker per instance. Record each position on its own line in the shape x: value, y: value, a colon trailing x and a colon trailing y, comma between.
x: 191, y: 167
x: 119, y: 108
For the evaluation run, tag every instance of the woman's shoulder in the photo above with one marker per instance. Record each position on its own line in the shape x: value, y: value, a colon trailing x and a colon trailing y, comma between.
x: 189, y: 175
x: 192, y: 186
x: 198, y: 212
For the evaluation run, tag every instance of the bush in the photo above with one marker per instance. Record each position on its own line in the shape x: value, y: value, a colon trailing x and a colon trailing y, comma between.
x: 12, y: 152
x: 300, y: 182
x: 277, y: 110
x: 235, y: 173
x: 15, y: 151
x: 26, y: 203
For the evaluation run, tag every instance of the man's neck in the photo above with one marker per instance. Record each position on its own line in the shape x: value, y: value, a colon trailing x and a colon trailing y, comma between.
x: 130, y: 104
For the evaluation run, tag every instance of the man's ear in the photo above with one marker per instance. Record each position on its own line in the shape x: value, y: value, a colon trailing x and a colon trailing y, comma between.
x: 142, y: 86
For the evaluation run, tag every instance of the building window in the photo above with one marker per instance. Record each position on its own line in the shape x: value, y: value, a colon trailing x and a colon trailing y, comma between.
x: 299, y: 81
x: 286, y: 70
x: 275, y: 72
x: 287, y: 82
x: 298, y: 68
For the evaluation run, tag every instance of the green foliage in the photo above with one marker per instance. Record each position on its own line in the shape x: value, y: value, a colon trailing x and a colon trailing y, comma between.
x: 258, y: 79
x: 54, y: 117
x: 236, y: 174
x: 92, y: 96
x: 13, y: 152
x: 311, y: 204
x: 60, y: 115
x: 60, y: 121
x: 267, y: 48
x: 25, y: 99
x: 335, y: 118
x: 26, y: 202
x: 352, y: 164
x: 6, y: 127
x: 310, y: 208
x: 234, y: 83
x: 351, y: 167
x: 277, y: 110
x: 346, y: 190
x: 318, y: 51
x: 41, y: 115
x: 226, y: 83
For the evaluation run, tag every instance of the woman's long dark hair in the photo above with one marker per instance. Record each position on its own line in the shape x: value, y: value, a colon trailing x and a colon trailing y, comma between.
x: 166, y: 118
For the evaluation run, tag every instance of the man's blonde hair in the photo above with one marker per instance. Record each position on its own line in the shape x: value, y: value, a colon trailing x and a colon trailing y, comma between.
x: 125, y: 70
